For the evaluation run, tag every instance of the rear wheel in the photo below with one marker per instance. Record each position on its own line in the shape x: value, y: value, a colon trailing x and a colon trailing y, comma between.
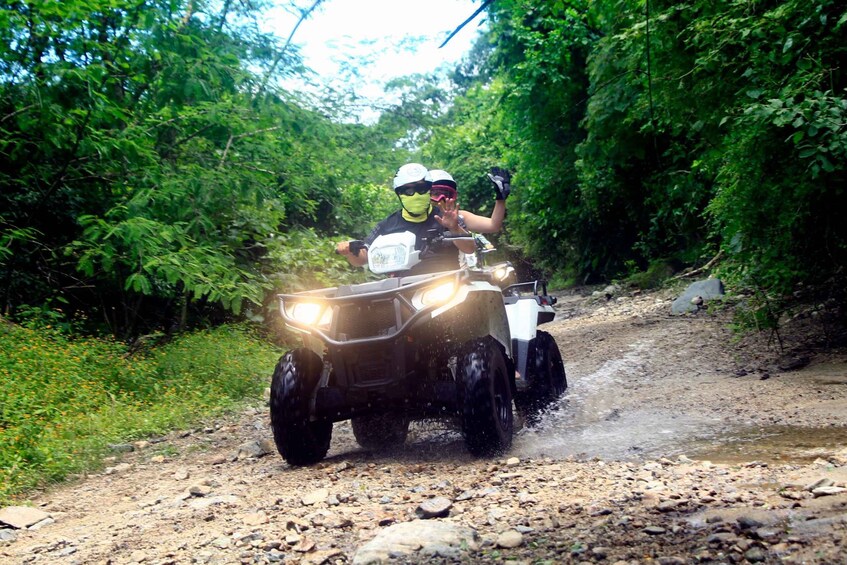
x: 545, y: 376
x: 380, y: 431
x: 487, y: 419
x: 299, y: 441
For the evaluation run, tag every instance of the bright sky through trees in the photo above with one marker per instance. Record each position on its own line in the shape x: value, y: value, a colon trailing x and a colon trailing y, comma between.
x: 364, y: 43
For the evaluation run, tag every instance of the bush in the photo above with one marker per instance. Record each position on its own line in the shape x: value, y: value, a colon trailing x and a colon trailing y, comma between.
x: 64, y: 399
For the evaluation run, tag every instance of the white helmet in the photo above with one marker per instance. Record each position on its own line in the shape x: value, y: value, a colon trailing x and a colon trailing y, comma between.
x: 437, y: 176
x: 410, y: 172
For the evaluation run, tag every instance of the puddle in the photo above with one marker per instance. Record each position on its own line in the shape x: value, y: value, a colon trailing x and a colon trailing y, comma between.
x: 775, y: 444
x: 598, y: 419
x: 595, y: 420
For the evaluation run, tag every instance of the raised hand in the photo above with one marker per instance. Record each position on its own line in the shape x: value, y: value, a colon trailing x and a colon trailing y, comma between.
x: 449, y: 217
x: 501, y: 179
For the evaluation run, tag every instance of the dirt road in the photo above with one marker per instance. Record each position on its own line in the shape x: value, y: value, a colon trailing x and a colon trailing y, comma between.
x: 675, y: 444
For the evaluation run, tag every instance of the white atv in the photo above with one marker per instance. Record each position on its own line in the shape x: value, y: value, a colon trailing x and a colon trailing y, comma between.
x: 440, y: 345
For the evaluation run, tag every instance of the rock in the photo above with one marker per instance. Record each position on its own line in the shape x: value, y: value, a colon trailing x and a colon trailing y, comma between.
x: 7, y: 535
x: 122, y: 447
x: 704, y: 290
x: 251, y: 449
x: 42, y: 523
x: 255, y: 519
x: 200, y: 489
x: 747, y: 523
x: 137, y: 556
x: 305, y: 545
x: 218, y: 459
x: 205, y: 502
x: 119, y: 468
x: 512, y: 462
x: 654, y: 530
x: 825, y: 482
x: 438, y: 507
x: 828, y: 491
x: 320, y: 557
x: 424, y: 537
x: 793, y: 363
x: 672, y: 560
x: 755, y: 555
x: 314, y: 497
x: 22, y: 516
x: 509, y: 539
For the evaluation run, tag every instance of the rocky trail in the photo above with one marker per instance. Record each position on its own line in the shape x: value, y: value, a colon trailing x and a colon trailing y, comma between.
x: 676, y: 443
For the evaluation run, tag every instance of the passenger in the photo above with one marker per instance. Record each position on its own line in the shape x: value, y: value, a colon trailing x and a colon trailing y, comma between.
x: 445, y: 195
x: 417, y: 214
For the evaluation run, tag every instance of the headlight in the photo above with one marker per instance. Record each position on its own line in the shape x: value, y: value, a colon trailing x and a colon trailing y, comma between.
x: 500, y: 273
x: 389, y: 258
x: 435, y: 295
x: 309, y: 313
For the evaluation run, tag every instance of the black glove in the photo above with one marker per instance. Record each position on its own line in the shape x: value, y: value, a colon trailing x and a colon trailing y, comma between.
x: 500, y: 178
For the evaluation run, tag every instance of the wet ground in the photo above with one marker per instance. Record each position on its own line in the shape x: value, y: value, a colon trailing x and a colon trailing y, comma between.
x: 643, y: 384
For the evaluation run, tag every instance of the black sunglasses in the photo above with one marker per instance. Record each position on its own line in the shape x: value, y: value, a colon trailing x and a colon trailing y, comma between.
x: 410, y: 189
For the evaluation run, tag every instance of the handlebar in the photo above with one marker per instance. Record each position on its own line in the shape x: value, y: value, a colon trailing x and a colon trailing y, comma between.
x: 356, y: 246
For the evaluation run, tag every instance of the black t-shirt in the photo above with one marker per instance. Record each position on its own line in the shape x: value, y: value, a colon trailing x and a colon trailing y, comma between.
x: 444, y: 257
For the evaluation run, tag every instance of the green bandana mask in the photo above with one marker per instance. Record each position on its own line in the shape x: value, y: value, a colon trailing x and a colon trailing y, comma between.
x: 416, y: 208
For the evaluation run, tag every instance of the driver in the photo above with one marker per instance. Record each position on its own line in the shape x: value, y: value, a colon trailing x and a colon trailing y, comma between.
x: 418, y: 215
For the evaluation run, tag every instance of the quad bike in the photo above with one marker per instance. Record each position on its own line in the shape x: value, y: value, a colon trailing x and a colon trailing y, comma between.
x: 384, y: 353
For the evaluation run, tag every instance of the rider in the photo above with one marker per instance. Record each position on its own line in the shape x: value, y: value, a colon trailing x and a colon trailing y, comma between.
x: 444, y: 193
x: 418, y: 215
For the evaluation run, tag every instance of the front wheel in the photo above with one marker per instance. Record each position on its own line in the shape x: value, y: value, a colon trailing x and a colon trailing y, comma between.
x: 299, y: 440
x: 486, y: 403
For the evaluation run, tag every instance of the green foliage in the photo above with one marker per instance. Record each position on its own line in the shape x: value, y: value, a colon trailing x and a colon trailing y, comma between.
x: 643, y: 131
x: 147, y: 162
x: 63, y: 400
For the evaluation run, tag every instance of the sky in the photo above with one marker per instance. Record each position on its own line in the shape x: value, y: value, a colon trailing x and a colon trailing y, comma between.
x: 380, y: 36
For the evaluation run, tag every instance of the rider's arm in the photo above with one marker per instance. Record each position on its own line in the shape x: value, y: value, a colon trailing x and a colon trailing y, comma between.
x: 481, y: 224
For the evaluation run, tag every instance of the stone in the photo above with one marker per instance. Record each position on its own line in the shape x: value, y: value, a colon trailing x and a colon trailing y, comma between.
x: 122, y: 447
x: 825, y: 482
x: 7, y: 535
x: 119, y: 468
x: 755, y: 555
x: 438, y: 507
x: 746, y: 522
x: 314, y: 497
x: 22, y: 516
x: 416, y: 539
x: 200, y: 490
x: 255, y: 519
x: 513, y: 462
x: 42, y: 523
x: 251, y: 449
x: 654, y: 530
x: 704, y: 290
x: 510, y: 539
x: 828, y: 491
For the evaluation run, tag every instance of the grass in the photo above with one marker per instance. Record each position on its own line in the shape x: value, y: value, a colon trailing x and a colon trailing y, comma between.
x: 64, y: 399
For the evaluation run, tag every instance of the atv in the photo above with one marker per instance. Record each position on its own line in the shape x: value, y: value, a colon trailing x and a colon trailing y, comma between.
x: 451, y: 344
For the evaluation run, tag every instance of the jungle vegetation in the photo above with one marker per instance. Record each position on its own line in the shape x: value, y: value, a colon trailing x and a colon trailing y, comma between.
x: 156, y: 177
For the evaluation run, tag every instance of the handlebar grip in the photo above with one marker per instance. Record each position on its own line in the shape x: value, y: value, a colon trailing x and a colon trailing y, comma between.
x: 356, y: 246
